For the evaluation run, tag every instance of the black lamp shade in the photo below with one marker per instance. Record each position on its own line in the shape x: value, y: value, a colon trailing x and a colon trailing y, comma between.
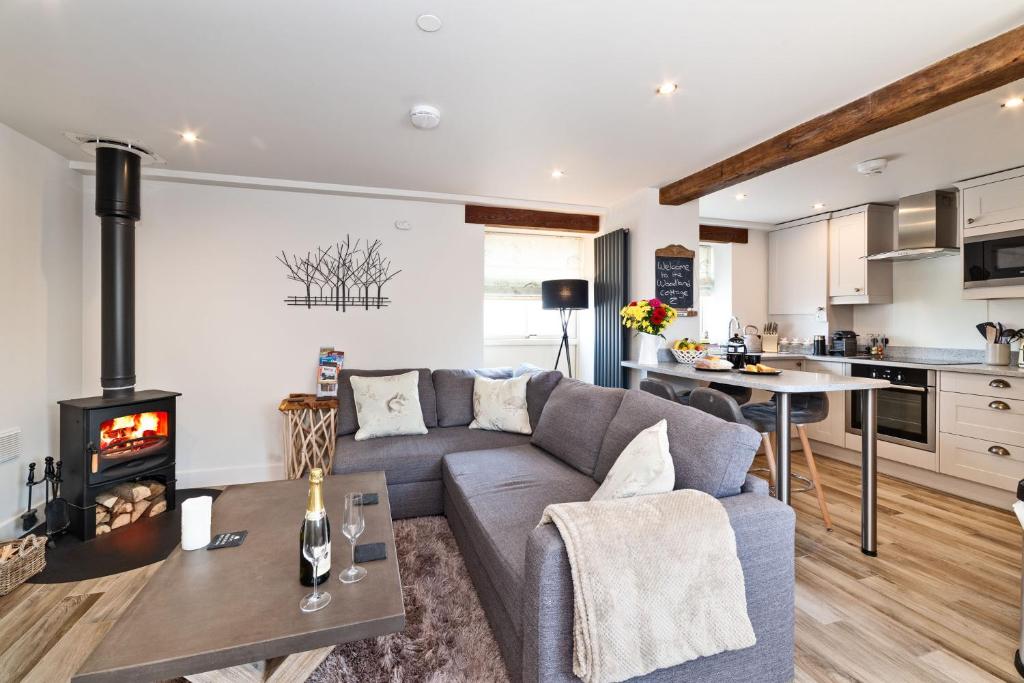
x: 556, y: 294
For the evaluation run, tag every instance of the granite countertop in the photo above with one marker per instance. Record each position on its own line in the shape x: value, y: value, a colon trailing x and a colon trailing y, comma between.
x: 789, y: 382
x: 977, y: 368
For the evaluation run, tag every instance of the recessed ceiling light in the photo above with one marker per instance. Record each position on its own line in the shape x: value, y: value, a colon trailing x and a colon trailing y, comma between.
x: 818, y: 205
x: 667, y: 88
x: 189, y: 136
x: 1013, y: 102
x: 740, y: 196
x: 428, y: 23
x: 557, y: 173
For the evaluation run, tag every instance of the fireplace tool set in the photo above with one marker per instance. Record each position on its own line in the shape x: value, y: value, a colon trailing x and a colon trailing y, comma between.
x: 56, y: 507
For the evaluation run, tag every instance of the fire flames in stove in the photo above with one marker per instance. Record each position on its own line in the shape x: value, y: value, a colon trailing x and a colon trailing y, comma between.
x: 131, y: 435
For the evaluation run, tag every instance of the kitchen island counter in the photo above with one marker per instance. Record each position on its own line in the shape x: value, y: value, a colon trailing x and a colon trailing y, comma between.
x: 978, y: 368
x: 784, y: 386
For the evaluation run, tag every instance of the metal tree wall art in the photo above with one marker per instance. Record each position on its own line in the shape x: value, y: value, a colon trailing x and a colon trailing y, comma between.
x: 342, y: 275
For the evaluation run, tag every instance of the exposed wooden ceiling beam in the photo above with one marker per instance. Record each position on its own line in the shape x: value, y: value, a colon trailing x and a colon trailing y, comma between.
x: 968, y: 73
x: 715, y: 233
x: 527, y: 218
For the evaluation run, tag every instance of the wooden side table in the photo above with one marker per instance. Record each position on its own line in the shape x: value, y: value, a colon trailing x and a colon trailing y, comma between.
x: 310, y: 433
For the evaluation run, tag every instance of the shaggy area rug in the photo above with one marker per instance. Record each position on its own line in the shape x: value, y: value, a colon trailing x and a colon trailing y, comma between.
x: 446, y: 636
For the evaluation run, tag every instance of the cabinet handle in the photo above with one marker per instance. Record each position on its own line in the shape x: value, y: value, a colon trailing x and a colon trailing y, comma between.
x: 998, y: 450
x: 856, y: 289
x: 970, y: 220
x: 999, y: 384
x: 998, y: 405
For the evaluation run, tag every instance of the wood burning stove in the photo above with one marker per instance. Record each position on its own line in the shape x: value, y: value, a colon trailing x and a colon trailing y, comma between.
x: 124, y: 435
x: 99, y: 450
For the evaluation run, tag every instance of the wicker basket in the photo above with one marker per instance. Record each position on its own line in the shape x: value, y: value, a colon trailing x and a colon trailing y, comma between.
x: 27, y: 560
x: 687, y: 357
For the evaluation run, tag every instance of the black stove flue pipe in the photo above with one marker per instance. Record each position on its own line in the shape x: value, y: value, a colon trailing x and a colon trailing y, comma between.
x: 118, y: 207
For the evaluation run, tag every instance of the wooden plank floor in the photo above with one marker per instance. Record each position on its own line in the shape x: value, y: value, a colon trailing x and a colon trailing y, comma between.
x: 940, y: 603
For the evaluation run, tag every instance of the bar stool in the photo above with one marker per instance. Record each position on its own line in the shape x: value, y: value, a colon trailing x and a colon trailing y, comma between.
x: 667, y: 391
x: 806, y: 409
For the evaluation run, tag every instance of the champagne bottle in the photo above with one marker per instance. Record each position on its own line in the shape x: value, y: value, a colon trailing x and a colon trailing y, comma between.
x: 316, y: 513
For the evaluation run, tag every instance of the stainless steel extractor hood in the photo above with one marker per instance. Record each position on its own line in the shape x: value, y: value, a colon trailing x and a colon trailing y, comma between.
x: 925, y: 227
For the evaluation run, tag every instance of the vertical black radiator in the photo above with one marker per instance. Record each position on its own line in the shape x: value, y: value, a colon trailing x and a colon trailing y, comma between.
x: 611, y: 287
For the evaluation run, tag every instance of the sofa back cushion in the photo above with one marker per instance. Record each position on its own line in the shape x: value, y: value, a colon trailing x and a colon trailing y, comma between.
x: 538, y: 391
x: 347, y: 422
x: 709, y: 454
x: 573, y: 422
x: 454, y: 389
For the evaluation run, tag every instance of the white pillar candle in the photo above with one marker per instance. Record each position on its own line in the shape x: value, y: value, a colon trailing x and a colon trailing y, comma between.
x: 196, y: 514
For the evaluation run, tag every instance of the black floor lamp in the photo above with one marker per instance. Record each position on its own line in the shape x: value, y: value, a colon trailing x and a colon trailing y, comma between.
x: 566, y: 296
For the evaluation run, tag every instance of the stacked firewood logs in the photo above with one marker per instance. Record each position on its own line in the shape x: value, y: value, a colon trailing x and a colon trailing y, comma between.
x: 126, y: 503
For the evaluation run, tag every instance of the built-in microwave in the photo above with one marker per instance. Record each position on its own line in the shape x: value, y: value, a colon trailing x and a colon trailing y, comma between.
x: 995, y: 259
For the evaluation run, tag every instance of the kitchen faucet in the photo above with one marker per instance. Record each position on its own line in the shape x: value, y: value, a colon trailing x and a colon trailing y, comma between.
x: 738, y: 327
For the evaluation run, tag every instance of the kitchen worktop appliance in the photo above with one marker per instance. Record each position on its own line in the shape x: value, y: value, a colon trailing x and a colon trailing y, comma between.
x: 844, y: 343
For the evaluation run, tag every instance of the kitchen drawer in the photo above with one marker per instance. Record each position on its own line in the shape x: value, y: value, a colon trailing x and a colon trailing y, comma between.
x: 981, y: 417
x: 969, y: 458
x: 982, y: 385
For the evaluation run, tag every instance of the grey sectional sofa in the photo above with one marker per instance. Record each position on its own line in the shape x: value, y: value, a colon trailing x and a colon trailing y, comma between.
x: 493, y: 487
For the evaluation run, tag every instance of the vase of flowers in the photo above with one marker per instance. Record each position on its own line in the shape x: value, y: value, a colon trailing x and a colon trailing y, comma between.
x: 649, y: 317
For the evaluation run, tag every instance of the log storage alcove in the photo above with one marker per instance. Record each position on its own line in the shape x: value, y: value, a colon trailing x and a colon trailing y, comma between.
x: 127, y: 503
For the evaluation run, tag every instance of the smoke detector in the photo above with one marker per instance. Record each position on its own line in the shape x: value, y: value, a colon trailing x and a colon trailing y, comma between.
x: 425, y: 116
x: 89, y: 143
x: 872, y: 166
x: 428, y: 22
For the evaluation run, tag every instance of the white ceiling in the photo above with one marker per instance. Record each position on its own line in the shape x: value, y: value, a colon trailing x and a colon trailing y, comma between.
x: 320, y: 90
x: 969, y: 139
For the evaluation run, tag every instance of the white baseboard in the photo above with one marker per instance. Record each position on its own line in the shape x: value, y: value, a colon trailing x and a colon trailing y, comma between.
x: 222, y: 476
x: 11, y: 527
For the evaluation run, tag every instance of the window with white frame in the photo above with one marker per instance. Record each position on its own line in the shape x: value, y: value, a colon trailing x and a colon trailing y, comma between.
x: 514, y: 266
x: 706, y: 258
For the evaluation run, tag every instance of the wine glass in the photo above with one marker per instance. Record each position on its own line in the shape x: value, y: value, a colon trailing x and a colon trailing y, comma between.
x: 352, y: 526
x: 315, y: 545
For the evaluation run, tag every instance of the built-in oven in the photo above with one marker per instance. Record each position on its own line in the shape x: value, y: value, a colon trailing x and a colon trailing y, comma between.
x: 994, y: 259
x: 906, y: 410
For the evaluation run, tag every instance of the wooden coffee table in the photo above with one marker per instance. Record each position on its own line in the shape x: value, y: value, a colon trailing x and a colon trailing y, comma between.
x: 233, y: 614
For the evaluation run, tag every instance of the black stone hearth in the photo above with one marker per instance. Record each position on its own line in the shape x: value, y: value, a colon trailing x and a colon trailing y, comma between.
x: 130, y: 547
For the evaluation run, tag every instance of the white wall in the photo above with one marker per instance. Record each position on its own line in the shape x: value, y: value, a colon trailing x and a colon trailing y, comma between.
x: 41, y: 328
x: 750, y: 279
x: 211, y: 322
x: 652, y: 226
x: 928, y: 308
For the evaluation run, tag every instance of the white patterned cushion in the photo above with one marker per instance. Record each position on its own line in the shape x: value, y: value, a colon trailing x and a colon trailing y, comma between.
x: 387, y: 406
x: 500, y: 405
x: 644, y: 467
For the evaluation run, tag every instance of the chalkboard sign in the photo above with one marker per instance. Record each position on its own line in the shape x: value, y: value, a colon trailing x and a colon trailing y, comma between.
x: 673, y: 276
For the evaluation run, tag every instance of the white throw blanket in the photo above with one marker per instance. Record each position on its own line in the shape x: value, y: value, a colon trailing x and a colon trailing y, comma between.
x: 656, y: 582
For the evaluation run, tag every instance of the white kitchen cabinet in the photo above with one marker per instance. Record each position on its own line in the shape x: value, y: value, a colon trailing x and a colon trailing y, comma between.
x: 981, y: 425
x: 981, y: 460
x: 798, y: 269
x: 994, y: 203
x: 831, y: 430
x: 982, y: 417
x: 852, y: 236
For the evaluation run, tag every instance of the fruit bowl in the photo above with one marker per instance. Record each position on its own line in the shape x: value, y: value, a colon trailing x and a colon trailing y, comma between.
x: 688, y: 357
